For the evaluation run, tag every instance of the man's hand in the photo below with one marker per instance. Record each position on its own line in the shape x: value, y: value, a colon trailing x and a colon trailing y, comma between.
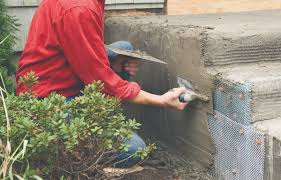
x: 121, y: 63
x: 171, y: 98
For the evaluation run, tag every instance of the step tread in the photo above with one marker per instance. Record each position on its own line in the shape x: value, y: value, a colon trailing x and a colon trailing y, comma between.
x: 257, y: 21
x: 270, y: 127
x: 255, y: 74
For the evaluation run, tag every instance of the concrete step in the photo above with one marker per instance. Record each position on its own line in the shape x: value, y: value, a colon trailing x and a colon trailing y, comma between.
x: 223, y: 39
x: 248, y: 93
x: 272, y: 131
x: 246, y: 123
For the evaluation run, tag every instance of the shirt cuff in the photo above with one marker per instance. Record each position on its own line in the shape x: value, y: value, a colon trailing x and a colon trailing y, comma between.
x: 132, y: 90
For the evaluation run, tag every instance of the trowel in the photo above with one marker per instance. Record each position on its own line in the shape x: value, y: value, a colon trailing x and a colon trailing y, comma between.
x: 190, y: 95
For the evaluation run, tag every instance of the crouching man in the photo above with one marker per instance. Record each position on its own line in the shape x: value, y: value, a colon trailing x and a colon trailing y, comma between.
x: 65, y: 48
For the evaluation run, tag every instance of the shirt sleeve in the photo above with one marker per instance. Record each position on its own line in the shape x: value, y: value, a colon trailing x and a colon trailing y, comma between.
x: 80, y: 32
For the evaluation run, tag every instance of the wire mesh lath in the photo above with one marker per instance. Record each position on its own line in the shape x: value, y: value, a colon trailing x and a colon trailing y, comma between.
x: 240, y: 149
x: 233, y: 101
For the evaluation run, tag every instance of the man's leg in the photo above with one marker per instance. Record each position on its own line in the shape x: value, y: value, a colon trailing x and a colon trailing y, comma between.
x: 136, y: 142
x: 128, y: 159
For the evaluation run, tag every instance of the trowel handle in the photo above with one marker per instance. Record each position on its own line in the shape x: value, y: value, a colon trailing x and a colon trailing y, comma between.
x: 187, y: 97
x: 182, y: 98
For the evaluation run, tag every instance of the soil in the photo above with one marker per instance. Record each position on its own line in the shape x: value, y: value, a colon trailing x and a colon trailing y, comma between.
x: 164, y: 164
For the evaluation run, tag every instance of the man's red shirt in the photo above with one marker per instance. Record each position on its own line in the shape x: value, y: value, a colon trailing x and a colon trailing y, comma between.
x: 65, y: 48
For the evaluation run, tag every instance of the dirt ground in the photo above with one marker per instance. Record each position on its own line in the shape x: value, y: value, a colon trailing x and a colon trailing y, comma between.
x: 166, y: 165
x: 177, y: 7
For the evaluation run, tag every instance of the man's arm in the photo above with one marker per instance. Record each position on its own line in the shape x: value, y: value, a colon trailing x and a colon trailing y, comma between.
x: 169, y: 99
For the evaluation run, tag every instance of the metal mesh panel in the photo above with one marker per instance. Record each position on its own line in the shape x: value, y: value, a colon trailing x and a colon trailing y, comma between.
x: 233, y: 100
x: 240, y: 149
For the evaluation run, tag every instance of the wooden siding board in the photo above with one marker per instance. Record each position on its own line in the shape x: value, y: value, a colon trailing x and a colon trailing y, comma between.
x: 134, y: 6
x: 23, y: 2
x: 32, y: 3
x: 149, y: 1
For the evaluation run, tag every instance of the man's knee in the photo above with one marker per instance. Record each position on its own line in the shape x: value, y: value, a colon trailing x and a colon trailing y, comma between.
x: 136, y: 143
x: 128, y: 159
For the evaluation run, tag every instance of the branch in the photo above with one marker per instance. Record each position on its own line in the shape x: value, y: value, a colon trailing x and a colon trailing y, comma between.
x: 5, y: 39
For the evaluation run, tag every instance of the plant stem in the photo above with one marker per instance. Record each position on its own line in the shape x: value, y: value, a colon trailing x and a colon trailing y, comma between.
x: 5, y: 39
x: 6, y: 114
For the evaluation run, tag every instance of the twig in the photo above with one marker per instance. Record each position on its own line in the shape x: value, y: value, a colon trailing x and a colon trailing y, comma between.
x: 6, y: 114
x: 5, y: 39
x: 3, y: 90
x: 2, y: 80
x: 95, y: 163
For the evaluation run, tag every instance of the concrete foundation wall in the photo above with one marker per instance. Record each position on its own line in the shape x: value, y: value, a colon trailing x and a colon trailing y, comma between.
x: 185, y: 131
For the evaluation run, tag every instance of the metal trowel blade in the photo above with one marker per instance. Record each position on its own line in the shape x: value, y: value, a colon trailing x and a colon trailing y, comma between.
x: 184, y: 83
x: 188, y: 85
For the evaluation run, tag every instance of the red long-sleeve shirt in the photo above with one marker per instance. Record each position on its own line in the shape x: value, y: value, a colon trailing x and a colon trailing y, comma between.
x: 65, y: 48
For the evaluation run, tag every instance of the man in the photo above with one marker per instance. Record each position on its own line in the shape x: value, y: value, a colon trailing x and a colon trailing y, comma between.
x: 65, y: 49
x: 125, y: 67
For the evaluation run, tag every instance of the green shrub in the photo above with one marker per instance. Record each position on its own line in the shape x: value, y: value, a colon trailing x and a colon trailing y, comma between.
x: 7, y: 33
x: 8, y: 28
x: 50, y: 138
x: 66, y: 139
x: 6, y: 81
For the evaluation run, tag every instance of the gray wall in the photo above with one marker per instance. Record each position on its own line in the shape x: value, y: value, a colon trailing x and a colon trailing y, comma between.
x: 185, y: 131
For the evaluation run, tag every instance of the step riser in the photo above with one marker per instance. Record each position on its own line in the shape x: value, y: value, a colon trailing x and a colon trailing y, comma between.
x: 234, y: 101
x: 259, y: 101
x: 271, y: 128
x: 234, y: 48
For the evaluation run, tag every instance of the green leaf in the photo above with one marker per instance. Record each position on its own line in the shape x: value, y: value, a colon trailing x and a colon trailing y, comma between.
x: 19, y: 177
